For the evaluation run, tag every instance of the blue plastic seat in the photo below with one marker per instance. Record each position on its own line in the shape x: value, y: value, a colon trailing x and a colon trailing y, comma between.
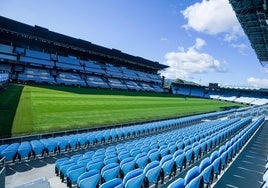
x: 180, y: 161
x: 24, y: 150
x: 191, y: 174
x: 217, y: 166
x: 224, y: 159
x: 179, y: 183
x: 10, y: 152
x: 134, y: 152
x: 63, y: 168
x: 214, y: 156
x: 153, y: 154
x: 95, y: 164
x: 196, y: 182
x: 151, y: 172
x: 141, y: 160
x: 204, y: 163
x: 50, y: 145
x: 89, y: 179
x: 114, y: 183
x: 189, y: 155
x: 208, y: 174
x: 58, y: 163
x: 110, y: 159
x: 73, y: 173
x: 110, y: 171
x: 127, y: 165
x: 167, y: 165
x: 37, y: 147
x: 133, y: 178
x: 123, y: 155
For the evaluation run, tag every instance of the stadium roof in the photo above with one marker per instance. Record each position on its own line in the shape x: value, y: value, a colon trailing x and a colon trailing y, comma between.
x: 253, y: 17
x: 45, y: 37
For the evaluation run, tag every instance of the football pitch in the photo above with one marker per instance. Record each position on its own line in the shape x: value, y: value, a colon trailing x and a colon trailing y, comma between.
x: 32, y: 109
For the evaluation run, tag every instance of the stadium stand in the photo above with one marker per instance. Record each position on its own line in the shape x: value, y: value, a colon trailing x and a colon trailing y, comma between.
x: 57, y: 59
x: 244, y: 96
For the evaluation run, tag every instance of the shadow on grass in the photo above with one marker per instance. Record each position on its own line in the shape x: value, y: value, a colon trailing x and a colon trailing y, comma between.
x: 101, y: 91
x: 9, y: 100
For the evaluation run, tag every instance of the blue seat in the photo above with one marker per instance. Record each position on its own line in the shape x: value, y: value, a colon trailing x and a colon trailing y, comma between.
x: 73, y: 173
x: 217, y: 166
x: 196, y: 182
x: 208, y: 174
x: 167, y: 165
x: 37, y: 147
x: 163, y: 152
x: 62, y: 143
x: 133, y: 178
x: 127, y: 165
x: 224, y: 159
x: 153, y: 155
x: 10, y: 152
x: 172, y: 148
x: 95, y: 164
x: 123, y: 155
x: 141, y: 160
x: 214, y: 156
x: 110, y: 171
x: 134, y: 152
x: 89, y: 179
x: 110, y: 159
x: 180, y: 161
x: 197, y: 151
x: 63, y: 168
x: 58, y: 163
x: 189, y: 155
x: 204, y: 163
x: 151, y: 172
x: 24, y: 150
x: 2, y: 147
x: 114, y: 183
x: 50, y: 145
x: 178, y: 152
x: 179, y: 183
x: 191, y: 174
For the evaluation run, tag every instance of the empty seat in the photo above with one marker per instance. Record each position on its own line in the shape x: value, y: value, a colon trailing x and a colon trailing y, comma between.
x: 179, y: 183
x: 37, y: 147
x: 127, y: 165
x: 73, y: 173
x: 151, y: 172
x: 110, y: 171
x: 24, y: 150
x: 89, y: 179
x: 191, y: 174
x: 167, y: 164
x: 10, y: 152
x: 133, y: 178
x: 114, y: 183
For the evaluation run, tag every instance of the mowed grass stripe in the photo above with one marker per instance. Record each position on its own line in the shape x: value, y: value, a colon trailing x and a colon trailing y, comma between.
x: 53, y: 108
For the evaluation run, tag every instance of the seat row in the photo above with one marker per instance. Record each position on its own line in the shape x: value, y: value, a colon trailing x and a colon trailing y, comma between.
x: 212, y: 166
x: 34, y: 148
x: 144, y: 153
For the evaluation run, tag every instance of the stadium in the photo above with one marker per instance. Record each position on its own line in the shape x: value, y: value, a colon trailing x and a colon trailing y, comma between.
x: 78, y: 114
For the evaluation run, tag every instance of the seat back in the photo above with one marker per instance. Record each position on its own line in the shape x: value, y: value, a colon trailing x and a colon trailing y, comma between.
x: 191, y: 174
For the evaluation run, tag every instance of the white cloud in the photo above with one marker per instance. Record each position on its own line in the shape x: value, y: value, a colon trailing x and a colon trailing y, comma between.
x: 242, y: 48
x: 264, y: 70
x: 213, y: 17
x: 184, y: 64
x: 258, y: 82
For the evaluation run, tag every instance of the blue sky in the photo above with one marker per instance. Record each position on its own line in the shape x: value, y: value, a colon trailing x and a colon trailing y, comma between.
x: 201, y: 41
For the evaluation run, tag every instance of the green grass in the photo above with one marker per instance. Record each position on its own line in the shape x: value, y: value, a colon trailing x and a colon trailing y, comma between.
x: 52, y: 108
